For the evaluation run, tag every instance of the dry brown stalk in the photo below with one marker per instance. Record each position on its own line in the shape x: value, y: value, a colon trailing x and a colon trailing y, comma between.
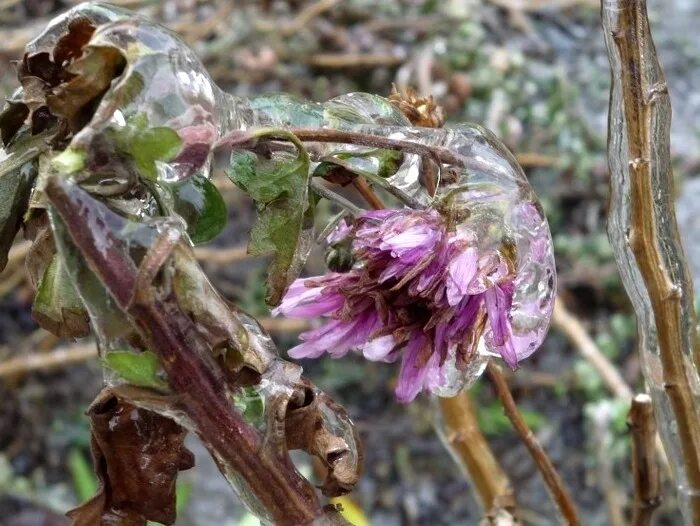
x: 551, y: 478
x: 79, y: 352
x: 574, y: 330
x: 643, y: 229
x: 462, y: 433
x: 221, y: 255
x: 59, y: 357
x: 645, y: 468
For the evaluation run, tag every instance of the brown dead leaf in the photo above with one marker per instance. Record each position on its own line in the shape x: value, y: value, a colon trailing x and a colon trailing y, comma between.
x: 137, y: 455
x: 92, y: 73
x: 316, y: 424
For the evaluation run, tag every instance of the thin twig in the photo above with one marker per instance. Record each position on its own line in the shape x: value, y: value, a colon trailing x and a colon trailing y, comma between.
x: 352, y: 60
x: 60, y: 357
x: 367, y: 193
x: 574, y: 330
x: 601, y: 416
x: 329, y: 194
x: 79, y: 352
x: 551, y: 478
x: 642, y: 226
x: 300, y: 21
x: 221, y: 255
x: 645, y: 469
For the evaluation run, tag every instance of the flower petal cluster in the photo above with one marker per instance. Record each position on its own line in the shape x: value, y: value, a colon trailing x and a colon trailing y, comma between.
x: 420, y: 291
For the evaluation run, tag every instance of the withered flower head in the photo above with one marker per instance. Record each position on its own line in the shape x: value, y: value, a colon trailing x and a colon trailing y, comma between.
x: 421, y: 290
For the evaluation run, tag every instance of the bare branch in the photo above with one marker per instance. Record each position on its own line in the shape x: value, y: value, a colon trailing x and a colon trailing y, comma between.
x: 551, y: 478
x: 645, y: 468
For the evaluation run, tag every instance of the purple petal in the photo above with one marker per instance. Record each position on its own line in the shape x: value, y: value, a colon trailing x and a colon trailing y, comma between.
x: 498, y: 301
x: 378, y: 349
x: 411, y: 376
x: 461, y: 272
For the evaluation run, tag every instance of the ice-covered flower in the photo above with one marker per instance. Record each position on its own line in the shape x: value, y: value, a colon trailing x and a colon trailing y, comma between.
x: 421, y: 289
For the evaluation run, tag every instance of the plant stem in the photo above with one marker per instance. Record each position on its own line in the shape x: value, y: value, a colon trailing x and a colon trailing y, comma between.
x: 644, y: 234
x: 367, y: 193
x: 323, y: 191
x: 472, y: 451
x: 645, y: 467
x: 551, y: 478
x: 266, y: 473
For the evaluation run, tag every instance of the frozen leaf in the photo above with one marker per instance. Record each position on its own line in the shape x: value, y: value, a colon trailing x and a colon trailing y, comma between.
x: 138, y: 368
x: 57, y: 307
x: 137, y: 455
x: 200, y: 204
x: 146, y: 145
x: 15, y: 189
x: 279, y: 187
x: 93, y: 72
x: 315, y: 423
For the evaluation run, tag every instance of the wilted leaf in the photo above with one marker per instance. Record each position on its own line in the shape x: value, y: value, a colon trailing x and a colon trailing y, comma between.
x: 70, y: 45
x: 15, y: 189
x: 137, y: 455
x: 12, y: 118
x: 57, y: 307
x: 138, y: 368
x: 38, y: 230
x: 147, y: 145
x: 279, y: 187
x: 200, y: 204
x: 315, y: 423
x: 93, y: 72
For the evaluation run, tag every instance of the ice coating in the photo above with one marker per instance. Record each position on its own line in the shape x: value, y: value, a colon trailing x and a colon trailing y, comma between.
x: 165, y: 81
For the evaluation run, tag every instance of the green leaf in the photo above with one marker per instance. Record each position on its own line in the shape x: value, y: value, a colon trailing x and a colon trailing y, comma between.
x: 15, y: 189
x: 146, y: 145
x: 251, y: 404
x: 138, y: 368
x: 279, y: 187
x: 57, y: 306
x: 69, y: 161
x: 202, y: 207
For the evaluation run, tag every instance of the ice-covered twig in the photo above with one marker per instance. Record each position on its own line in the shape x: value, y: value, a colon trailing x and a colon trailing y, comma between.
x: 643, y: 231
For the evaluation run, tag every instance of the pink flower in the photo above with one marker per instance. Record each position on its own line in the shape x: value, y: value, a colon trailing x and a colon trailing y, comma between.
x: 420, y: 290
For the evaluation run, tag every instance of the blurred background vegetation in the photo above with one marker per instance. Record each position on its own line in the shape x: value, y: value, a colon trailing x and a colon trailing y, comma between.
x: 536, y: 73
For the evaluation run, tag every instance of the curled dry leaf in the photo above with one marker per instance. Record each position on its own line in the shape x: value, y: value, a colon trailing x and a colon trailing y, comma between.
x: 137, y: 455
x: 315, y: 423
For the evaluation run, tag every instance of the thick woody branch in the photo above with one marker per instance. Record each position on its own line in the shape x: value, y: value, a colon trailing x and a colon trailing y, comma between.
x: 645, y: 467
x: 643, y: 229
x: 551, y: 478
x: 187, y: 360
